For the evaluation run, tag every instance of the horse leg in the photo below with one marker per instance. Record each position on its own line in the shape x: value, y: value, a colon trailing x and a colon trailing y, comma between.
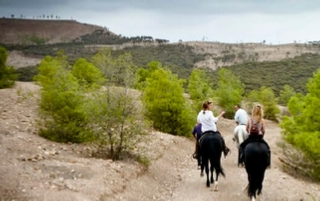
x: 216, y: 182
x: 211, y: 171
x: 207, y: 173
x: 240, y: 157
x: 204, y: 161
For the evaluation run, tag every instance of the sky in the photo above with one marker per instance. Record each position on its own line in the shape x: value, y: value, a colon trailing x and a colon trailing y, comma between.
x: 228, y: 21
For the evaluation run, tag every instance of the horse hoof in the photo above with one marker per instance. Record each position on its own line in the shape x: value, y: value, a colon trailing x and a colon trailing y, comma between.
x: 201, y: 174
x: 216, y: 186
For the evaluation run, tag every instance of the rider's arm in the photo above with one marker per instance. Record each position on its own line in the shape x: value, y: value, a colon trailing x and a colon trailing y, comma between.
x: 248, y: 125
x: 236, y: 118
x: 263, y: 127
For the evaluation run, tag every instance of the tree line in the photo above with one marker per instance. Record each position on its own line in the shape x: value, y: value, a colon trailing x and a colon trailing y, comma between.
x: 43, y: 16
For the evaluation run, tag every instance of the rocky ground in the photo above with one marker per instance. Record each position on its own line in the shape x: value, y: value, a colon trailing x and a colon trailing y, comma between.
x: 33, y: 168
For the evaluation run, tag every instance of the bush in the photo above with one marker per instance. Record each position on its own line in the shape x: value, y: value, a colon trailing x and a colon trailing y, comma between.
x: 26, y: 74
x: 302, y: 128
x: 7, y: 74
x: 230, y: 91
x: 165, y: 104
x: 115, y: 113
x: 61, y: 102
x: 266, y: 97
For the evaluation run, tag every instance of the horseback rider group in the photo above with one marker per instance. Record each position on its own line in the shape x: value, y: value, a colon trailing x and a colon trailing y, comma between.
x: 207, y: 125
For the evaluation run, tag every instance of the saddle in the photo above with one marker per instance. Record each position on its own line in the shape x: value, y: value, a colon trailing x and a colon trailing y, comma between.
x: 208, y: 133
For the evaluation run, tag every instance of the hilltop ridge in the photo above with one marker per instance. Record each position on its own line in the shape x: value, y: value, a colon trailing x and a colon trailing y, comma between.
x: 36, y: 31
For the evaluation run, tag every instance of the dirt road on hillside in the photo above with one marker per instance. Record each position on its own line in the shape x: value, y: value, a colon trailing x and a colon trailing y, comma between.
x: 33, y: 168
x: 176, y: 177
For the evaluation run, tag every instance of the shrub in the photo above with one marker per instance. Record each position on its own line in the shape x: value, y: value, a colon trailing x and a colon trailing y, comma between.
x: 165, y: 104
x: 302, y: 128
x: 8, y: 74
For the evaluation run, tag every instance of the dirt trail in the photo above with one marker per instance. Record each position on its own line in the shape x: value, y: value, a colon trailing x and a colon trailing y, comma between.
x: 33, y: 168
x: 176, y: 176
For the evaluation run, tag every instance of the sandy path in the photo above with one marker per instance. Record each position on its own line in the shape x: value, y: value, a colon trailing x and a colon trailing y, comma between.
x: 176, y: 176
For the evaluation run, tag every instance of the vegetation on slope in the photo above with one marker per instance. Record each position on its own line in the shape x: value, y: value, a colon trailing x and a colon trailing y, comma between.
x: 294, y: 72
x: 180, y: 59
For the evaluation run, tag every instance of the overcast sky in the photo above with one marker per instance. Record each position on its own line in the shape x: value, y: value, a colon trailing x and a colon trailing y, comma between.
x: 231, y: 21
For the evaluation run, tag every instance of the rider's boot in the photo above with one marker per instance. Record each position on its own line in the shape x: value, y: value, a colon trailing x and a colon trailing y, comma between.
x: 225, y: 149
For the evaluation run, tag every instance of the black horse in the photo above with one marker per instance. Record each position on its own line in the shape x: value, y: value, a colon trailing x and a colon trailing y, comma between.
x: 211, y: 150
x: 256, y: 160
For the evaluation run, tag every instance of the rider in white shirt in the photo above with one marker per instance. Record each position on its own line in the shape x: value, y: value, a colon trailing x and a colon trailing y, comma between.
x: 208, y: 122
x: 241, y: 118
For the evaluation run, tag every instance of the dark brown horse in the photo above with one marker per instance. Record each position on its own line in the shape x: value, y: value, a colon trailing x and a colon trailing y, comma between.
x: 256, y: 160
x: 211, y: 150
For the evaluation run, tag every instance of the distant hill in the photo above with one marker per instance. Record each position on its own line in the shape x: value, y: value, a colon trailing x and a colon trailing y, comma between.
x: 28, y: 41
x: 31, y: 31
x: 224, y: 54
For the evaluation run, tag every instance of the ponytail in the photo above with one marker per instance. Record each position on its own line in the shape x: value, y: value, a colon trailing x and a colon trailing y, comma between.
x: 205, y: 106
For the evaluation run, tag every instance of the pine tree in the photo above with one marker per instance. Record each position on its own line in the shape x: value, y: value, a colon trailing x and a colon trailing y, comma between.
x: 165, y: 104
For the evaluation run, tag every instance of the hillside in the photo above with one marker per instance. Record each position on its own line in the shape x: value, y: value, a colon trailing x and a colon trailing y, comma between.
x: 33, y: 168
x: 24, y: 35
x: 25, y: 42
x: 28, y: 31
x: 224, y: 54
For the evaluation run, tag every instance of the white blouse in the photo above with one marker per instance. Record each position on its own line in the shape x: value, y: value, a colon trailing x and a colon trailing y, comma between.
x: 208, y: 121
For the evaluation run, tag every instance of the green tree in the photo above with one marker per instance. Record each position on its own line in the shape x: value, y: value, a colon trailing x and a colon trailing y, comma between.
x: 302, y: 128
x: 88, y: 74
x: 115, y: 113
x: 269, y: 102
x: 142, y: 74
x: 230, y: 90
x: 61, y: 102
x: 165, y: 104
x: 7, y: 74
x: 198, y: 87
x: 253, y: 96
x: 115, y: 70
x: 285, y: 94
x: 266, y: 97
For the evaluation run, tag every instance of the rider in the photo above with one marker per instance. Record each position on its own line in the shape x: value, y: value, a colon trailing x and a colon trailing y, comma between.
x: 196, y: 132
x: 208, y: 122
x: 256, y: 118
x: 241, y: 119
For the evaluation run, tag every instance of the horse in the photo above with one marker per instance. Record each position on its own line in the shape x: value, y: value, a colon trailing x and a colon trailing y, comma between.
x: 211, y: 150
x: 240, y: 135
x: 256, y: 160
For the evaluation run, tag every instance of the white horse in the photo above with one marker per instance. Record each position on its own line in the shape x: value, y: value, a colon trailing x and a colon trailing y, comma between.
x: 240, y: 135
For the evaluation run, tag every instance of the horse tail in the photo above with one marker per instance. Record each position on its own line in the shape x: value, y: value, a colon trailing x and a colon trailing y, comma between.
x: 255, y: 185
x: 240, y: 135
x: 216, y: 163
x: 220, y: 170
x: 256, y: 157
